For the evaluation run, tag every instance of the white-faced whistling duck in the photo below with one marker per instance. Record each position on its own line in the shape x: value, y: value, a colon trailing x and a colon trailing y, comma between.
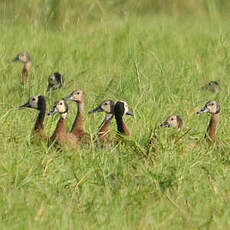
x: 213, y: 108
x: 60, y: 135
x: 174, y: 121
x: 120, y: 109
x: 77, y: 127
x: 25, y: 59
x: 106, y: 106
x: 212, y: 86
x: 55, y: 81
x: 38, y: 103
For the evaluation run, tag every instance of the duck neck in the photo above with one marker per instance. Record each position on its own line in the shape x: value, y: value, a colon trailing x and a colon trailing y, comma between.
x: 60, y: 128
x: 121, y: 126
x: 212, y: 126
x: 104, y: 127
x: 78, y: 123
x: 25, y: 72
x: 27, y: 65
x: 180, y: 125
x: 40, y: 119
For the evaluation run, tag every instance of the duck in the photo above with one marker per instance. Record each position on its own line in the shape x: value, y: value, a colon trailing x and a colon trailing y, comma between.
x: 174, y: 121
x: 120, y: 109
x: 55, y: 81
x: 106, y: 106
x: 38, y: 103
x: 77, y: 127
x: 212, y: 86
x: 61, y: 136
x: 213, y: 108
x: 24, y: 58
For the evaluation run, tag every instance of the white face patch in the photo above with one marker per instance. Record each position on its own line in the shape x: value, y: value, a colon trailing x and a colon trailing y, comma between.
x: 106, y: 106
x: 172, y: 120
x: 212, y: 106
x: 23, y: 57
x: 52, y: 79
x: 78, y: 95
x: 34, y: 102
x: 61, y: 106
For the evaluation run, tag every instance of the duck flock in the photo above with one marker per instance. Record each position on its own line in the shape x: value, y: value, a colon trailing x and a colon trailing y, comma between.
x: 111, y: 109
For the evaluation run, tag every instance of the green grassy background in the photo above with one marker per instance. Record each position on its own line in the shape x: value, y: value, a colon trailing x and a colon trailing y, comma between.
x: 154, y: 55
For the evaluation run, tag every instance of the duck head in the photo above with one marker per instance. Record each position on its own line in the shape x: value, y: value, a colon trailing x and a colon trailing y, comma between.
x: 60, y: 107
x: 36, y: 102
x: 211, y: 107
x: 174, y: 121
x: 77, y: 96
x: 23, y: 57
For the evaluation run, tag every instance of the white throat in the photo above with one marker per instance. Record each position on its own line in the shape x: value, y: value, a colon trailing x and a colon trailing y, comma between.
x: 64, y: 115
x: 108, y: 116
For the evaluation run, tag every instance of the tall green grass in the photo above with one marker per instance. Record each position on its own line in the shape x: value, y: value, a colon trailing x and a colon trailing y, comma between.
x: 61, y: 14
x: 157, y: 64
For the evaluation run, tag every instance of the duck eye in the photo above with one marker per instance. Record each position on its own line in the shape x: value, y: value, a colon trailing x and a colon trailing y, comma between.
x: 106, y: 103
x: 212, y: 104
x: 60, y: 103
x: 78, y: 93
x: 33, y: 99
x: 172, y: 119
